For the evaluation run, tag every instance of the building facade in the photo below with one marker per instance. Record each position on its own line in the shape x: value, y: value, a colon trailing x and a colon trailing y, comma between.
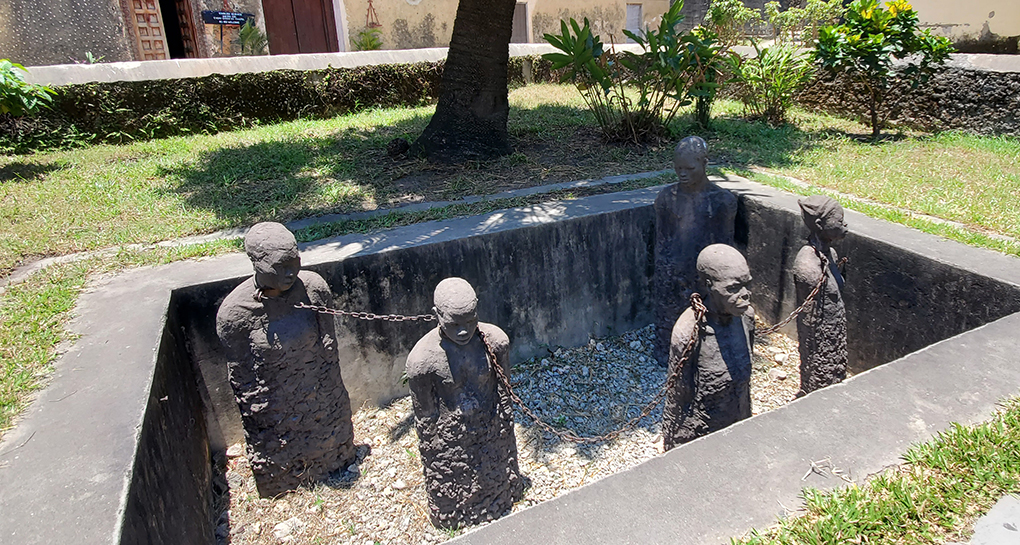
x: 37, y: 32
x: 40, y: 32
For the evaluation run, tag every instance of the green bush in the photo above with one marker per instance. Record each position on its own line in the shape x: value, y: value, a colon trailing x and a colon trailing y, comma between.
x: 673, y: 69
x: 766, y: 84
x: 116, y: 112
x: 875, y: 47
x: 18, y: 97
x: 729, y: 20
x: 368, y: 39
x: 252, y: 40
x: 801, y: 25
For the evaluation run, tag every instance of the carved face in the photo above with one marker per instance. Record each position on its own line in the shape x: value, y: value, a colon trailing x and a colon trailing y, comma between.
x: 832, y: 228
x: 278, y: 272
x: 690, y: 168
x: 731, y: 295
x: 460, y: 326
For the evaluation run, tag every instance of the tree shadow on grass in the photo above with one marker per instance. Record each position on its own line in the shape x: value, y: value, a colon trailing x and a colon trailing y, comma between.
x: 737, y: 142
x: 26, y: 171
x: 291, y: 177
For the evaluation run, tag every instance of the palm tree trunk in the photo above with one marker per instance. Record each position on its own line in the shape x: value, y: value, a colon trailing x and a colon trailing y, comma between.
x: 470, y: 119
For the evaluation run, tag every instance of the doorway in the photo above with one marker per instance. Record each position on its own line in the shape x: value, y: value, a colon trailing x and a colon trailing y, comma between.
x: 300, y: 26
x: 520, y: 31
x: 633, y: 19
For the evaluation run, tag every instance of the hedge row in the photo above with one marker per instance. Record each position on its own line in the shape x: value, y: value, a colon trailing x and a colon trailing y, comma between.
x: 117, y: 112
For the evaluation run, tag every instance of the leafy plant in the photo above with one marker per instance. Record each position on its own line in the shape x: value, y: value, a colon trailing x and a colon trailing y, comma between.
x: 801, y: 24
x: 877, y: 46
x: 17, y: 96
x: 251, y: 39
x: 729, y: 20
x: 368, y: 39
x: 766, y: 83
x: 673, y: 68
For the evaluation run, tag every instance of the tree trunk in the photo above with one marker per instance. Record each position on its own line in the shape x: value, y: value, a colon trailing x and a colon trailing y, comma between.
x: 470, y: 119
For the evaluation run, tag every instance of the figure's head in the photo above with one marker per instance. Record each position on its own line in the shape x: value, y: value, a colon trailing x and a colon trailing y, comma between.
x: 689, y: 161
x: 456, y: 306
x: 823, y: 217
x: 274, y: 254
x: 724, y: 279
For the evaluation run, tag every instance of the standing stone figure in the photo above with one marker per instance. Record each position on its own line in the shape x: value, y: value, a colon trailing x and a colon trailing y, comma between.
x: 689, y: 215
x: 283, y: 367
x: 821, y: 328
x: 463, y: 416
x: 713, y: 389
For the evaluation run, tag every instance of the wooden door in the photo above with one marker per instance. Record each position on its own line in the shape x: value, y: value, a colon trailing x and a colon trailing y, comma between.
x: 148, y: 27
x: 300, y: 26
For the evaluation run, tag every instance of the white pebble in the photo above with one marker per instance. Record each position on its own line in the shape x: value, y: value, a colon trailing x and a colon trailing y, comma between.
x: 288, y: 527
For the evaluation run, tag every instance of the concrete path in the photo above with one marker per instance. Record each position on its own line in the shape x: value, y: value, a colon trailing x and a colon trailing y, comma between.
x: 1000, y: 526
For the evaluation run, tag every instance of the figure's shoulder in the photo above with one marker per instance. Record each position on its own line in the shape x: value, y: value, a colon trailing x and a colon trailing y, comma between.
x: 684, y: 327
x: 665, y: 196
x: 426, y: 355
x: 316, y: 287
x: 807, y: 265
x: 236, y: 309
x: 720, y: 194
x: 495, y: 336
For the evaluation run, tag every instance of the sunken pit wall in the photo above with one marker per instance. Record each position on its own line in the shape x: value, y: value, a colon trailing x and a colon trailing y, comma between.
x: 546, y: 284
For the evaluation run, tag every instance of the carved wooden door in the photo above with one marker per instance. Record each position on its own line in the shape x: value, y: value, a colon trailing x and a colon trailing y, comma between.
x: 300, y: 26
x: 148, y: 26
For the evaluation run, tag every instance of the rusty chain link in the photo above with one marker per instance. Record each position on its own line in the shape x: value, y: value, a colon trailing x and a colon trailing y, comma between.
x: 810, y: 298
x: 368, y: 316
x: 567, y: 435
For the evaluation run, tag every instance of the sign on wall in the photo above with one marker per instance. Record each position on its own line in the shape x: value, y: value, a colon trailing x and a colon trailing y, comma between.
x: 226, y: 17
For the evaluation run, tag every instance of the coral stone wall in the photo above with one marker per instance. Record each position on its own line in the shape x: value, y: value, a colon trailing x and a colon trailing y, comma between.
x: 36, y: 33
x: 976, y: 93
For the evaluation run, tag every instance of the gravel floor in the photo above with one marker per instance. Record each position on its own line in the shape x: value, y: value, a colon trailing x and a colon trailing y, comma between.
x: 591, y: 390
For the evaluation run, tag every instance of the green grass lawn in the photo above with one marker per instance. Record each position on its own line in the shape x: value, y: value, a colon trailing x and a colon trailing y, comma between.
x: 62, y: 202
x: 934, y: 497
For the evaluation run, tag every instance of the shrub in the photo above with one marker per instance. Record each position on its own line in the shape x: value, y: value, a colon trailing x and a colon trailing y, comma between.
x: 368, y: 39
x: 801, y: 25
x: 766, y: 84
x: 729, y: 20
x: 18, y: 97
x: 673, y: 69
x: 251, y: 39
x: 874, y: 47
x: 120, y: 111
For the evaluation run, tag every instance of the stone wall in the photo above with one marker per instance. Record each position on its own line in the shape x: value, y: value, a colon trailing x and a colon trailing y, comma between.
x: 976, y: 93
x: 63, y: 32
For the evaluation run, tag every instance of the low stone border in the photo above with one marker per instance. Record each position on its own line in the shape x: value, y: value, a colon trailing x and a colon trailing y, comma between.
x: 116, y: 447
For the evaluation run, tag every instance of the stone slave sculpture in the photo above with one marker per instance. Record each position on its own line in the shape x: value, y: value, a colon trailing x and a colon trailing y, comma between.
x: 283, y: 367
x: 821, y: 328
x: 713, y: 389
x: 463, y: 415
x: 689, y: 215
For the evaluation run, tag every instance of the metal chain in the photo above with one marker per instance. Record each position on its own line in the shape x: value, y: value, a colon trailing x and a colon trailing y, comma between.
x: 567, y: 435
x: 368, y: 316
x: 810, y: 298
